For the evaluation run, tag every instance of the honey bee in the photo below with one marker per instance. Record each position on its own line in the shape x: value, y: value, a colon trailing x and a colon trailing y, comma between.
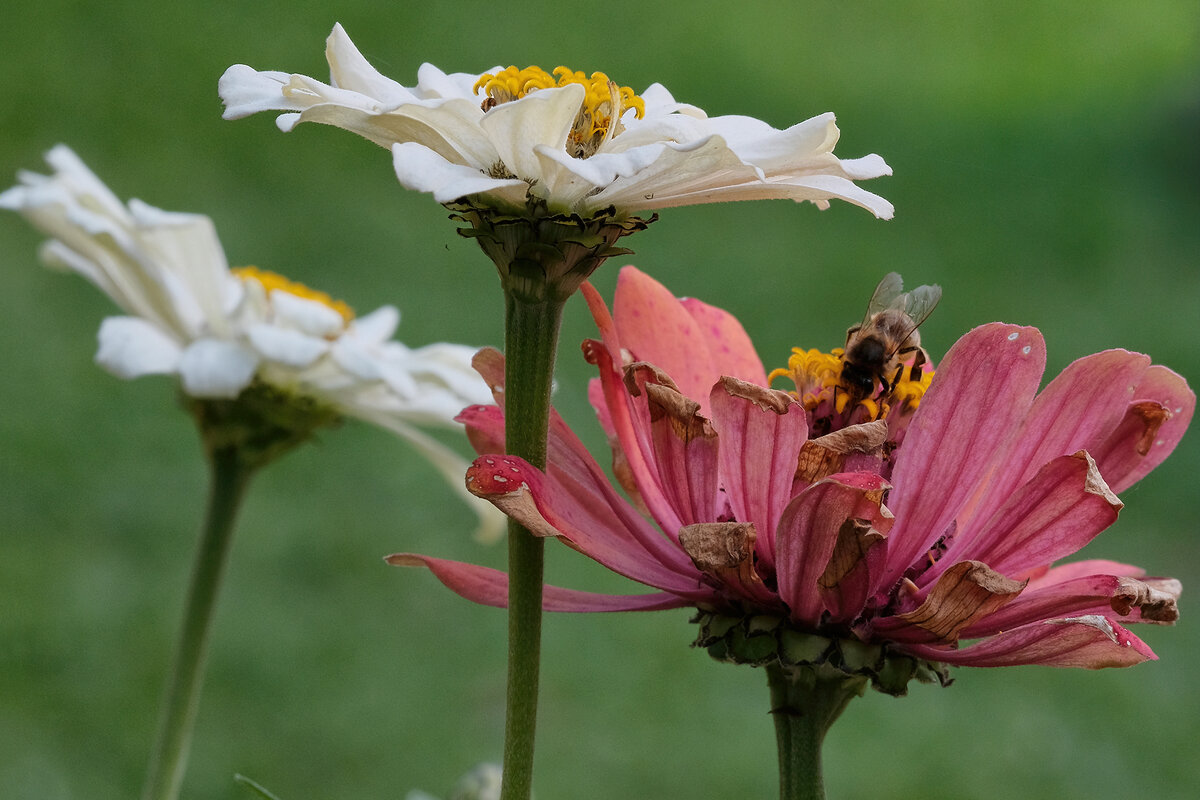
x: 877, y: 348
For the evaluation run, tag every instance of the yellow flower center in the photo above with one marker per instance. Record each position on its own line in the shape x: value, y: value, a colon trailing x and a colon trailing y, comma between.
x: 818, y: 379
x: 599, y: 118
x: 273, y: 281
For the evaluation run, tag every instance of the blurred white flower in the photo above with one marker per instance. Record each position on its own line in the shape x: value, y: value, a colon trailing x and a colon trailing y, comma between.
x: 481, y: 783
x: 221, y: 330
x: 517, y: 138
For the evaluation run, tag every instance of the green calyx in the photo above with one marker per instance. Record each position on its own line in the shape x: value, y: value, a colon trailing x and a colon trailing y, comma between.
x: 765, y: 640
x: 260, y: 424
x: 542, y: 255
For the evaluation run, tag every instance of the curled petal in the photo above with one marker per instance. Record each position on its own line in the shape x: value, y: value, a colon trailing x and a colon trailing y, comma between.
x: 827, y: 455
x: 548, y: 508
x: 1091, y: 642
x: 1155, y: 599
x: 489, y: 587
x: 808, y: 534
x: 725, y: 552
x: 966, y: 592
x: 685, y: 450
x: 1151, y: 428
x: 761, y: 432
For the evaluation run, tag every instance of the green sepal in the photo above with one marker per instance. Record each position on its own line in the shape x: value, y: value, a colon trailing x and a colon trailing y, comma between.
x: 763, y: 640
x: 543, y: 255
x: 260, y: 424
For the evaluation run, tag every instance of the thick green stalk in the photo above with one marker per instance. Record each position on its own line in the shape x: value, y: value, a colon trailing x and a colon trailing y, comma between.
x: 230, y: 476
x: 804, y: 707
x: 531, y: 338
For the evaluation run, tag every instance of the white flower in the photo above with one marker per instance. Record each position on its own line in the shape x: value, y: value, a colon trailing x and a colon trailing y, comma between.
x: 220, y: 330
x: 578, y: 144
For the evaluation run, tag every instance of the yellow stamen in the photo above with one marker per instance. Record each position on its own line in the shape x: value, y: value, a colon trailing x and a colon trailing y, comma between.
x: 599, y: 118
x: 818, y: 378
x: 273, y: 281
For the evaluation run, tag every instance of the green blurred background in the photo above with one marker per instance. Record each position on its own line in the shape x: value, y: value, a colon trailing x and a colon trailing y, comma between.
x: 1046, y: 172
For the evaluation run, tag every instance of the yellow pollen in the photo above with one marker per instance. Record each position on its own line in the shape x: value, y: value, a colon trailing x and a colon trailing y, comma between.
x: 599, y: 118
x: 273, y: 281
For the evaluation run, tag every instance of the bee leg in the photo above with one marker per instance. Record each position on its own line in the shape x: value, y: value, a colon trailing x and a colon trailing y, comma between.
x: 850, y: 334
x: 915, y: 372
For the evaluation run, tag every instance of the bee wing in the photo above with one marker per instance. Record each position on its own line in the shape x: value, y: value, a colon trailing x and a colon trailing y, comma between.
x: 889, y: 290
x: 920, y: 302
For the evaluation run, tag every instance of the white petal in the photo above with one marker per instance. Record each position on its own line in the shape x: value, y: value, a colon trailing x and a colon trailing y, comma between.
x: 245, y: 91
x: 349, y: 70
x: 358, y: 358
x: 568, y: 180
x: 378, y: 326
x: 423, y: 170
x: 217, y: 368
x: 131, y: 347
x: 289, y: 347
x: 543, y: 117
x: 432, y: 83
x: 309, y: 316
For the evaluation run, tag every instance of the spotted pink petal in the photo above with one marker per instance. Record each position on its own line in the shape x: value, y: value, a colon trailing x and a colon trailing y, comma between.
x: 692, y: 342
x: 808, y: 532
x: 729, y: 346
x: 1091, y: 642
x: 489, y: 587
x: 983, y: 389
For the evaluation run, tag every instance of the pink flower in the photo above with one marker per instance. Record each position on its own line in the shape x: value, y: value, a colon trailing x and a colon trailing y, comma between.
x: 950, y: 535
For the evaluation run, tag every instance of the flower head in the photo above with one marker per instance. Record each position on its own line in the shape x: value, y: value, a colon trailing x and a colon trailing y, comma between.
x: 234, y: 335
x: 517, y: 139
x: 850, y: 548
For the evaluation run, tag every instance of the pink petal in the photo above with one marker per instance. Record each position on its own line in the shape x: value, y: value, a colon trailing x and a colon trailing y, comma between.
x: 489, y: 587
x: 1091, y: 642
x: 605, y: 531
x: 1076, y: 411
x: 685, y: 454
x: 1045, y: 576
x: 982, y: 390
x: 1128, y: 454
x: 808, y: 532
x: 631, y: 423
x: 1090, y: 594
x: 655, y: 327
x: 485, y: 428
x: 732, y: 352
x: 1062, y: 508
x: 761, y: 432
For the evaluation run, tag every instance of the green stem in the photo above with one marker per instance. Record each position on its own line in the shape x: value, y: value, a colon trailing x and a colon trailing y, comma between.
x: 804, y: 707
x: 531, y: 338
x: 230, y: 476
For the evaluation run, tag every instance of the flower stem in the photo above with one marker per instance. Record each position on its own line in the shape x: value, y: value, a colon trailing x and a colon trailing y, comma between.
x: 230, y: 477
x: 531, y: 338
x: 804, y: 707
